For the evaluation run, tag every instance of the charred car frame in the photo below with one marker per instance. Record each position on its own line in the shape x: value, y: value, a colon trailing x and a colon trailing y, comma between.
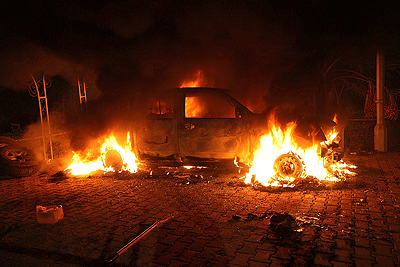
x: 202, y: 124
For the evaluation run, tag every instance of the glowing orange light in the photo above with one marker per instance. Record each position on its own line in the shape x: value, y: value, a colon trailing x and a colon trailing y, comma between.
x: 192, y: 107
x: 194, y: 83
x: 87, y: 163
x: 279, y: 160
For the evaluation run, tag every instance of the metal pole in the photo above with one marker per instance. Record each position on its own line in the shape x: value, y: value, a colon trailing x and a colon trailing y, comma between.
x: 48, y: 118
x: 41, y: 117
x: 380, y: 131
x: 82, y: 94
x: 79, y: 91
x: 137, y: 238
x: 84, y: 91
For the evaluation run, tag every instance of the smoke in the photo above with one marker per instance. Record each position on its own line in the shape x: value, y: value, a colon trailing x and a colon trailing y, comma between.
x: 260, y: 49
x: 20, y: 61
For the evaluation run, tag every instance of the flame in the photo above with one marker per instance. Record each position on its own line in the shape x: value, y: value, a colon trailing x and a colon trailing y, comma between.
x: 194, y: 83
x: 88, y: 162
x: 192, y: 107
x: 279, y: 161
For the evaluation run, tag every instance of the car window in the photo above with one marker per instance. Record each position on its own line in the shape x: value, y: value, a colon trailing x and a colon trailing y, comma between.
x: 207, y: 105
x: 159, y: 107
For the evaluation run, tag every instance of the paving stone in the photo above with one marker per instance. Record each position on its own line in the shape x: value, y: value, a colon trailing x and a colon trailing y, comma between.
x: 241, y: 259
x: 363, y: 253
x: 178, y: 263
x: 283, y: 253
x: 343, y: 255
x: 275, y: 262
x: 248, y: 248
x: 263, y: 256
x: 257, y: 263
x: 364, y: 262
x: 383, y: 250
x: 322, y: 259
x: 341, y: 264
x: 385, y: 261
x: 165, y: 258
x: 326, y: 247
x: 343, y: 244
x: 103, y: 213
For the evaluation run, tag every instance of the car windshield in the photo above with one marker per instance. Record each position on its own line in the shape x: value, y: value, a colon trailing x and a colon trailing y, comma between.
x: 207, y: 105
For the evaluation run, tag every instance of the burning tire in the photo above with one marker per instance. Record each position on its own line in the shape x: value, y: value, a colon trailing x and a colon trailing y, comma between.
x: 113, y: 159
x: 289, y: 165
x: 17, y: 161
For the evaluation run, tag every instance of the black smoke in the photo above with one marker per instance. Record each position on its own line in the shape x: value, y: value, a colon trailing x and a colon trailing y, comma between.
x: 270, y: 52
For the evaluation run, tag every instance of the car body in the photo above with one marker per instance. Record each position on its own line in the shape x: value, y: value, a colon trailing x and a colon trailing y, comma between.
x: 198, y: 124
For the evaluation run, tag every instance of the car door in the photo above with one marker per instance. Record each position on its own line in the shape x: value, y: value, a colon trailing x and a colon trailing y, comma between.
x: 211, y: 127
x: 155, y: 134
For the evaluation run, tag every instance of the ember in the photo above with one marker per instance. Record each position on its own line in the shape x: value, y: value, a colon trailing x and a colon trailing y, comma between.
x: 280, y: 161
x: 112, y: 157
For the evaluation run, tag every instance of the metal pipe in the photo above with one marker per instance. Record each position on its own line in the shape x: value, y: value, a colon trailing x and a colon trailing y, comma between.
x: 380, y: 131
x: 48, y: 118
x: 41, y: 117
x: 137, y: 238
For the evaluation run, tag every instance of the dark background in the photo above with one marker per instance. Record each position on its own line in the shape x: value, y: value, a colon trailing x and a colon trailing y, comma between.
x: 307, y: 57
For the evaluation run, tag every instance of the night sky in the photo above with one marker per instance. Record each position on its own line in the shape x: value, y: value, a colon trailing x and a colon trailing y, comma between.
x: 124, y: 47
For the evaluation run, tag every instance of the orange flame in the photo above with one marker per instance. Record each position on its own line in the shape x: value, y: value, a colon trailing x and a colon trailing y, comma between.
x: 194, y: 83
x: 279, y: 161
x: 88, y: 163
x: 192, y: 107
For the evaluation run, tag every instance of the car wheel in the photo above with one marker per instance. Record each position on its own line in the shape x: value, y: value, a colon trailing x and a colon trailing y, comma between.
x: 17, y: 161
x: 6, y: 141
x: 289, y: 165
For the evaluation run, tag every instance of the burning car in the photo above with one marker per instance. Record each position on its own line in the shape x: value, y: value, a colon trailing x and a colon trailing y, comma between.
x: 195, y: 124
x: 201, y: 123
x: 198, y: 125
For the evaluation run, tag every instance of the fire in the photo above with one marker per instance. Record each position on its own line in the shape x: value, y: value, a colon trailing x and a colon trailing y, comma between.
x: 111, y: 157
x: 279, y: 161
x: 194, y: 83
x: 192, y: 107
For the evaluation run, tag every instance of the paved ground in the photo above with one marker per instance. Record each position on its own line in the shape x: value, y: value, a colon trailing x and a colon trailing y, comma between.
x: 217, y: 221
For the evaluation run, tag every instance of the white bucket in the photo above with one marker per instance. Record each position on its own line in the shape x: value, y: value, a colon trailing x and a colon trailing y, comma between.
x: 49, y: 214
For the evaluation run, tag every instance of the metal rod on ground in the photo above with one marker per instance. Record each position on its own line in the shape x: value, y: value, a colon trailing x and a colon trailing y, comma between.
x: 140, y: 236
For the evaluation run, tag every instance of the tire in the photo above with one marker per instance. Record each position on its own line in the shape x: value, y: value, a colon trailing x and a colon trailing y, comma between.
x: 17, y: 161
x: 6, y: 141
x: 289, y: 165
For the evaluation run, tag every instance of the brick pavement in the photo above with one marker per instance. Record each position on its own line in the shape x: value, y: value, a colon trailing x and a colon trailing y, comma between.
x: 356, y: 224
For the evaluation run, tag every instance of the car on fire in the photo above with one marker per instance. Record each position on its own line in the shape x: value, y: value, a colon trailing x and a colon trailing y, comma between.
x: 202, y: 124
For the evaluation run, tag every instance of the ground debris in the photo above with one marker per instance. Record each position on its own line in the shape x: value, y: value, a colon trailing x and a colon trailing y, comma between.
x: 237, y: 217
x: 58, y: 176
x: 307, y: 220
x: 281, y: 224
x: 361, y: 202
x: 249, y: 217
x: 284, y: 224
